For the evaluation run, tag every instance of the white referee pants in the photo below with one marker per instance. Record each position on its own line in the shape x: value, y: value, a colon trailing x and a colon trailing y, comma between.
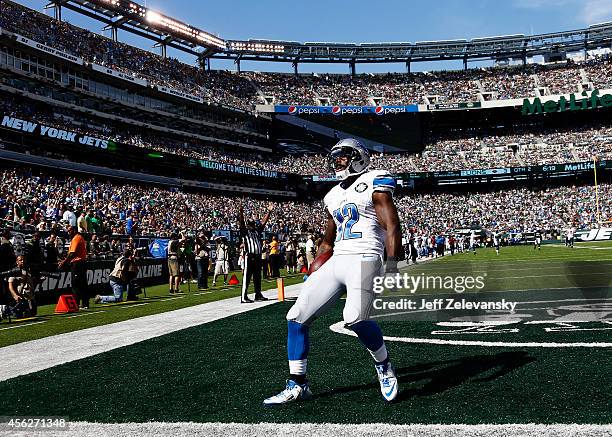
x: 351, y: 273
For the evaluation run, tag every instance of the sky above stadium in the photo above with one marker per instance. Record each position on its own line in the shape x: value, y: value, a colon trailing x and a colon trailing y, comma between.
x: 364, y: 21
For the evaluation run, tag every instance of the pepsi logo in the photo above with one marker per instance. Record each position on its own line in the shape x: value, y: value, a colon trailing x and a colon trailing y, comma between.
x: 292, y: 110
x: 336, y: 110
x: 379, y: 110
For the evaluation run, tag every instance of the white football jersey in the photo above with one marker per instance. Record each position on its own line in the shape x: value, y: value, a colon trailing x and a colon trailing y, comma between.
x: 357, y: 228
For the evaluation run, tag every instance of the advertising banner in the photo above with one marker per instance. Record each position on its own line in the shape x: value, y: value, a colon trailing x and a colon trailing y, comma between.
x: 344, y: 110
x: 119, y: 74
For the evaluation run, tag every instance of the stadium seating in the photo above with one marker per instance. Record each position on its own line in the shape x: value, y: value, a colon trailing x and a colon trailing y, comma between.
x: 246, y: 90
x: 37, y: 200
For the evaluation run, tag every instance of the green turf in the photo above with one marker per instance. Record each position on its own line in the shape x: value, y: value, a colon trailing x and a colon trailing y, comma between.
x: 523, y: 268
x: 223, y: 370
x: 158, y: 300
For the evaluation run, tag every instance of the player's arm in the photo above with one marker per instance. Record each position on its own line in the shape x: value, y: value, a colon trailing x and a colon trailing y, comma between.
x: 241, y: 221
x: 389, y: 220
x: 330, y: 236
x: 71, y: 254
x: 270, y: 208
x: 13, y: 289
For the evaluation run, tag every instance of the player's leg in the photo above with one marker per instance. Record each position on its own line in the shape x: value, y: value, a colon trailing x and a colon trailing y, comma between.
x: 320, y: 291
x: 359, y: 298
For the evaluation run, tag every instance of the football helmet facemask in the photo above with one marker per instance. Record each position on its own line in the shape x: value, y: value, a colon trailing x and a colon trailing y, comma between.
x: 348, y: 157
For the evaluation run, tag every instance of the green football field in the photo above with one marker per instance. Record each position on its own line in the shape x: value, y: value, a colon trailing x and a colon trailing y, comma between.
x: 157, y: 300
x: 450, y: 372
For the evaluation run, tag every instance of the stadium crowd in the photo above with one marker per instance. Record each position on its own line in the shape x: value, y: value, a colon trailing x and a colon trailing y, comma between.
x: 220, y: 87
x: 452, y: 151
x: 248, y: 89
x: 456, y: 151
x: 508, y: 210
x: 39, y: 201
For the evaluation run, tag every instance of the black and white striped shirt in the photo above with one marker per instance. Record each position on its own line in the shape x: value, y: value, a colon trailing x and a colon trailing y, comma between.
x: 252, y: 244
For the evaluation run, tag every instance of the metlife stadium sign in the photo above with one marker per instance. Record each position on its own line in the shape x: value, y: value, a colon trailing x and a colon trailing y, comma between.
x: 343, y: 110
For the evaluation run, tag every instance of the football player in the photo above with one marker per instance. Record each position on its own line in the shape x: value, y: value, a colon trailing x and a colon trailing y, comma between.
x: 473, y: 242
x: 537, y: 243
x: 361, y: 222
x: 496, y: 241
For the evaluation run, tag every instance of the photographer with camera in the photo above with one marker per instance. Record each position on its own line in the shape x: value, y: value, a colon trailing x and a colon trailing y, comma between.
x: 119, y: 278
x: 21, y: 287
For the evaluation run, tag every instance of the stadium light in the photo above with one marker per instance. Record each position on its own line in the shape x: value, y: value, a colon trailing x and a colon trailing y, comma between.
x: 153, y: 17
x: 159, y: 21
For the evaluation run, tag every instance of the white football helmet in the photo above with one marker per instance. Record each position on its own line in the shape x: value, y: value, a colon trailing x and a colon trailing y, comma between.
x: 358, y: 158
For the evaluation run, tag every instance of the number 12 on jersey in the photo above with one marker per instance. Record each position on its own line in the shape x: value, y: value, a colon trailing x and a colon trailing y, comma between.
x: 347, y: 216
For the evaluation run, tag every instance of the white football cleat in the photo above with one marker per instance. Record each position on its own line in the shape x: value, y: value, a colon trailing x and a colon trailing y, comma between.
x: 388, y: 381
x: 292, y: 392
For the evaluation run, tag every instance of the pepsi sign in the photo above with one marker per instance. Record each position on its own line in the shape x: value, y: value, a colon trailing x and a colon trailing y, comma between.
x: 344, y: 110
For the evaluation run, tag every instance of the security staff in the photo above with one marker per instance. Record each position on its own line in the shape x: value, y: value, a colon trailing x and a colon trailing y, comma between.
x: 251, y: 238
x: 77, y: 258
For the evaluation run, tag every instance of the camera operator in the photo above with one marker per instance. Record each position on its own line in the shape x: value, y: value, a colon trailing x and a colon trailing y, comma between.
x: 132, y: 275
x: 119, y: 278
x: 21, y: 287
x: 202, y: 260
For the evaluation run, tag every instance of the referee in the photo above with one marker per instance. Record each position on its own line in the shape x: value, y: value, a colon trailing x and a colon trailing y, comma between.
x: 250, y: 234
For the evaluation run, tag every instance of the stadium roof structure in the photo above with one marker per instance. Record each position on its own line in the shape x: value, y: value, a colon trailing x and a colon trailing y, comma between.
x: 169, y: 32
x: 139, y: 20
x: 496, y: 47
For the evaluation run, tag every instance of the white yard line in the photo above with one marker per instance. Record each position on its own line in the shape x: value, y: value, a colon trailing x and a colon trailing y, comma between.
x: 133, y: 305
x: 18, y: 359
x: 180, y: 429
x: 21, y: 326
x: 83, y: 314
